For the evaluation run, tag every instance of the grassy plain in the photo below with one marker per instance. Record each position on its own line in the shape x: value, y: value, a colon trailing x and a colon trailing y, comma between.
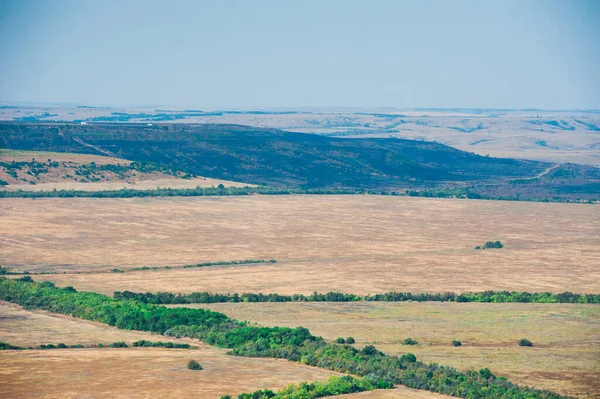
x: 356, y: 244
x: 565, y: 357
x: 129, y: 372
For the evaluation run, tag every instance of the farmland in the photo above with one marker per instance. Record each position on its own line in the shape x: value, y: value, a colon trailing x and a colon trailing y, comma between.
x: 135, y: 372
x: 322, y: 243
x: 566, y: 337
x: 294, y: 244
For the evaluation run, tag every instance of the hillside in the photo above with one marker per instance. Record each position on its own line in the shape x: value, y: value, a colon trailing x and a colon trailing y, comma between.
x: 42, y: 170
x: 279, y: 158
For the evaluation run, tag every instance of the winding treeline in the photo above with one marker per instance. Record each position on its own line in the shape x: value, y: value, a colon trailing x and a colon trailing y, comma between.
x: 295, y: 344
x: 169, y: 298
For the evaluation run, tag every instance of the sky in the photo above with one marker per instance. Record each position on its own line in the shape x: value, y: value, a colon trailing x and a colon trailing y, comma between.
x: 257, y: 54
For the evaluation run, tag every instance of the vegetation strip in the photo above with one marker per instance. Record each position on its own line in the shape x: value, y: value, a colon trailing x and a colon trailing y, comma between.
x: 141, y: 343
x: 4, y: 270
x: 241, y: 191
x: 295, y: 344
x: 169, y: 298
x: 332, y: 387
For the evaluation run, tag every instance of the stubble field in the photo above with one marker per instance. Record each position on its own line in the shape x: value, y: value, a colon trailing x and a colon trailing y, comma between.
x: 354, y: 244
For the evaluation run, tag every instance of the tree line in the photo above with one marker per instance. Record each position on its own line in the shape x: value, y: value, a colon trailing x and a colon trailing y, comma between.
x: 294, y: 344
x: 220, y: 190
x: 169, y: 298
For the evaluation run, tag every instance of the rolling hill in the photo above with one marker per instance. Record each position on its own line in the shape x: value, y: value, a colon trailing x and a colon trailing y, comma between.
x: 279, y: 158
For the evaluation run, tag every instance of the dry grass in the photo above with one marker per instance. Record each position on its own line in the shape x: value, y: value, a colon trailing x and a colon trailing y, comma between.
x: 57, y: 177
x: 565, y: 356
x: 131, y: 372
x: 358, y: 244
x: 42, y: 156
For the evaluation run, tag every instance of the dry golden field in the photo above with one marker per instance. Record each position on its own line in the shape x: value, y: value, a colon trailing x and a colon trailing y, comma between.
x: 356, y: 244
x: 565, y: 357
x: 125, y: 372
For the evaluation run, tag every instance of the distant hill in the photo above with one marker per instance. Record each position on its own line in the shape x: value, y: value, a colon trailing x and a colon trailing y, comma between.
x: 279, y: 158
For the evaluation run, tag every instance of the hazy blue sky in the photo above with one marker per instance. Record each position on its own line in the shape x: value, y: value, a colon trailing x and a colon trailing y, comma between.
x: 504, y: 53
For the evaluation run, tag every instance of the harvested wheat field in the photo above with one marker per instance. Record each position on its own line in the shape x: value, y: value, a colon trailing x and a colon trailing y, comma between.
x: 124, y: 372
x: 565, y: 357
x: 358, y: 244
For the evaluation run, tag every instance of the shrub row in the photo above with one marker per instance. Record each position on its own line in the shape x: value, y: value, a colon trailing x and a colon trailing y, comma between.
x: 167, y: 298
x: 161, y: 344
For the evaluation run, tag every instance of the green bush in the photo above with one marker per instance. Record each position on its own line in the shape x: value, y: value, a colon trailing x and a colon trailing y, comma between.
x: 493, y: 244
x: 525, y: 342
x: 340, y: 340
x: 194, y: 365
x: 61, y: 346
x: 410, y: 341
x: 407, y: 358
x: 350, y: 340
x: 5, y: 346
x: 120, y: 344
x: 456, y: 343
x: 486, y: 373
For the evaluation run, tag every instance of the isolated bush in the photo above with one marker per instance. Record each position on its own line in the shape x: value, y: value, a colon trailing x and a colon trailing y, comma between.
x: 61, y: 346
x: 493, y: 244
x: 340, y: 340
x: 194, y: 365
x: 117, y: 271
x: 525, y: 342
x: 120, y: 344
x: 478, y: 247
x: 350, y: 340
x: 100, y: 345
x: 410, y: 341
x: 456, y: 343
